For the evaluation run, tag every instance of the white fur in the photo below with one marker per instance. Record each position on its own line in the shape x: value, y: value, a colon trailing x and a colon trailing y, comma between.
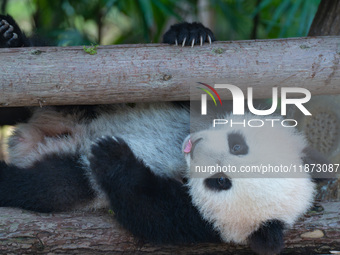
x: 239, y: 211
x: 154, y: 132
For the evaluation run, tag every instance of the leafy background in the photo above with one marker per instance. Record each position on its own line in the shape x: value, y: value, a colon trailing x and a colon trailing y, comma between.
x: 79, y: 22
x: 82, y: 22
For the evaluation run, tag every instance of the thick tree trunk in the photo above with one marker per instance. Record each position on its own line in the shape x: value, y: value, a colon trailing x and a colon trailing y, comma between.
x: 327, y: 19
x: 131, y: 73
x: 327, y: 23
x: 23, y: 232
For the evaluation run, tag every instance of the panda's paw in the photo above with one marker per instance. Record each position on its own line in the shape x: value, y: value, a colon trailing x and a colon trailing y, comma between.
x: 268, y: 239
x: 9, y: 36
x: 109, y: 155
x: 188, y: 34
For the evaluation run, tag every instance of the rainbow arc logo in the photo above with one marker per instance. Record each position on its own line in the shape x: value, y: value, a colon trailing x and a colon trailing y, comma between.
x: 209, y: 93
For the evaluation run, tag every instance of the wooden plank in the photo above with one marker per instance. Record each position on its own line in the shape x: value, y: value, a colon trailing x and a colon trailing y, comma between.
x: 158, y: 72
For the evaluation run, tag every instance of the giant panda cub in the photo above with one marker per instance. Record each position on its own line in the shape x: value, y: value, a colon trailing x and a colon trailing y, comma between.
x: 133, y: 158
x: 130, y: 158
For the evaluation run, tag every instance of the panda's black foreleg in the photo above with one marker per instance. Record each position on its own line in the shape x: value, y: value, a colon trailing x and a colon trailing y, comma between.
x: 10, y: 33
x: 56, y: 183
x: 268, y: 239
x: 152, y: 208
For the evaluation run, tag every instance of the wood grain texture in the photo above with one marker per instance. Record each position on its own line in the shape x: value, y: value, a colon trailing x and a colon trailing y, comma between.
x: 23, y: 232
x: 158, y: 72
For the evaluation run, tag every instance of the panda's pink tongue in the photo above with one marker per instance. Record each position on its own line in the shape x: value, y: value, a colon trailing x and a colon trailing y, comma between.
x: 188, y: 147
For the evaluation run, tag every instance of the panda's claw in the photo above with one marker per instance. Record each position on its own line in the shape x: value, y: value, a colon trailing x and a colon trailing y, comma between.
x: 209, y: 39
x: 176, y: 42
x: 115, y: 138
x: 192, y: 43
x: 14, y: 37
x: 201, y: 40
x: 9, y: 33
x: 6, y: 32
x: 4, y: 26
x: 183, y: 43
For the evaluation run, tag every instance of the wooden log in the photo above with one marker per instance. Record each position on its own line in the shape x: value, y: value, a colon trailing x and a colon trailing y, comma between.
x: 158, y: 72
x: 23, y: 232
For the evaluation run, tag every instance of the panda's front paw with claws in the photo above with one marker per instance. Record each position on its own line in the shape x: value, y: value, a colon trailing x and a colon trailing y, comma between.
x: 188, y: 34
x: 109, y: 152
x: 8, y: 38
x: 112, y: 162
x: 10, y: 33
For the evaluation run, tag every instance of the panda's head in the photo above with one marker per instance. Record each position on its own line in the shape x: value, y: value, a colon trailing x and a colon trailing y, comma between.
x: 245, y: 207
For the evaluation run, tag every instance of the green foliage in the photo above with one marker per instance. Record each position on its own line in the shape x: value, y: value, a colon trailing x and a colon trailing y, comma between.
x: 79, y: 22
x: 287, y: 18
x: 277, y: 18
x: 92, y: 50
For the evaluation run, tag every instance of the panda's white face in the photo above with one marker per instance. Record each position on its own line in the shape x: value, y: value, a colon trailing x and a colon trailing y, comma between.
x: 237, y: 204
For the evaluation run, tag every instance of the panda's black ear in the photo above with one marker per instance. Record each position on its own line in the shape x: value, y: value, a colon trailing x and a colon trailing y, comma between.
x: 313, y: 159
x: 268, y: 239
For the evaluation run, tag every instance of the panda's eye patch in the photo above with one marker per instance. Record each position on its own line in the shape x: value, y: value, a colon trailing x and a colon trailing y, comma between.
x: 218, y: 182
x: 237, y: 144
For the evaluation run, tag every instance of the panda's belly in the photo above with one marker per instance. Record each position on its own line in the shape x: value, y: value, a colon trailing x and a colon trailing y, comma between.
x: 154, y: 132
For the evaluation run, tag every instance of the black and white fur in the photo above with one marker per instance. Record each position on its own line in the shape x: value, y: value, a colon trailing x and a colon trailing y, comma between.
x: 250, y: 208
x: 129, y: 157
x: 74, y: 170
x: 134, y: 168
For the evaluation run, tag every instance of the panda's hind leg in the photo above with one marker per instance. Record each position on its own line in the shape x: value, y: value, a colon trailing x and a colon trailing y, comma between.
x: 47, y: 131
x: 55, y: 183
